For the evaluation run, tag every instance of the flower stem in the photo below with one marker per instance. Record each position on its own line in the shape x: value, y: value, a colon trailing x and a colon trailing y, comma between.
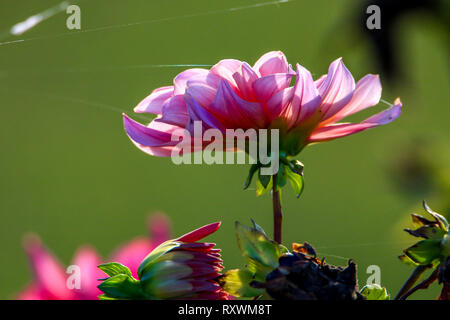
x: 423, y: 285
x: 277, y: 214
x: 416, y: 274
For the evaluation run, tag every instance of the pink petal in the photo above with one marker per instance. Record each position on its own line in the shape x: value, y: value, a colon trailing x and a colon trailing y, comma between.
x: 198, y: 113
x: 234, y: 111
x: 50, y: 274
x: 344, y: 129
x: 279, y: 102
x: 159, y: 227
x: 226, y: 68
x: 203, y: 89
x: 244, y: 78
x: 267, y: 86
x: 182, y: 78
x: 88, y: 260
x: 272, y: 62
x: 367, y: 94
x: 337, y: 89
x: 33, y: 292
x: 174, y: 112
x: 200, y: 233
x: 132, y: 253
x: 305, y: 100
x: 146, y: 136
x: 154, y: 102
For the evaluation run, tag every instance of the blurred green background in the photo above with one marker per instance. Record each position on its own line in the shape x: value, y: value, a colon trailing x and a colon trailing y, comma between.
x: 70, y: 174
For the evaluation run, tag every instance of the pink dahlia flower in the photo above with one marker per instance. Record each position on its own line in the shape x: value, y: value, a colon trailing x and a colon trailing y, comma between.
x: 181, y: 268
x: 234, y: 95
x: 50, y: 277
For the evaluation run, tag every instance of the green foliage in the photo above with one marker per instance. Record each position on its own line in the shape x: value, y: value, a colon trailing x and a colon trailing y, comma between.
x: 237, y: 283
x: 114, y: 268
x: 375, y: 292
x: 121, y: 286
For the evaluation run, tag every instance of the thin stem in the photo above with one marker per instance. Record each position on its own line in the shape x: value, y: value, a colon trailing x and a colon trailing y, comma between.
x: 277, y: 214
x: 423, y: 285
x: 415, y: 275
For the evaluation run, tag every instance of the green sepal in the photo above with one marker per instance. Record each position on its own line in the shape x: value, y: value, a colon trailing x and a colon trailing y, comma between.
x: 427, y: 232
x: 406, y: 260
x: 375, y: 292
x: 251, y: 173
x: 424, y: 252
x: 114, y: 268
x: 237, y: 283
x: 122, y: 286
x: 296, y: 181
x: 264, y: 179
x: 156, y: 253
x: 260, y: 189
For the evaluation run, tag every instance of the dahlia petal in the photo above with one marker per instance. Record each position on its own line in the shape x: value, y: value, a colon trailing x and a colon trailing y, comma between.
x: 203, y: 88
x: 305, y: 100
x: 154, y: 102
x: 200, y: 233
x: 279, y: 102
x: 367, y: 94
x: 182, y: 78
x: 50, y: 274
x: 233, y: 110
x: 198, y: 113
x: 88, y: 259
x: 199, y: 285
x: 336, y: 89
x: 33, y: 292
x: 244, y: 78
x: 174, y: 112
x: 144, y: 135
x: 226, y: 68
x: 267, y: 86
x: 272, y: 62
x: 344, y: 129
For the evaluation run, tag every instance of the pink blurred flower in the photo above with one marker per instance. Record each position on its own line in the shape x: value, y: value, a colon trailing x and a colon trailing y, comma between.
x: 233, y: 95
x: 50, y: 277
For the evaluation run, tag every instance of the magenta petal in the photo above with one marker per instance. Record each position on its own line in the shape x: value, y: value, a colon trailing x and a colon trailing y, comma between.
x: 203, y: 89
x: 154, y: 102
x: 337, y: 89
x: 386, y: 116
x: 182, y: 78
x: 305, y: 100
x: 244, y: 78
x: 226, y: 68
x: 175, y: 112
x: 50, y: 274
x: 33, y: 292
x: 200, y: 233
x: 267, y: 86
x: 198, y: 113
x: 279, y: 102
x: 272, y: 62
x: 344, y: 129
x: 87, y: 259
x: 367, y: 94
x: 235, y: 111
x: 144, y: 135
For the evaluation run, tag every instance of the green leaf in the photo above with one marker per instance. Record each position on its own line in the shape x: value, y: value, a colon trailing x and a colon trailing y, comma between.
x: 122, y: 286
x: 406, y: 260
x: 251, y: 173
x: 427, y: 232
x: 114, y: 268
x: 296, y: 181
x: 261, y: 253
x: 237, y: 283
x: 105, y: 297
x: 375, y: 292
x: 424, y: 252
